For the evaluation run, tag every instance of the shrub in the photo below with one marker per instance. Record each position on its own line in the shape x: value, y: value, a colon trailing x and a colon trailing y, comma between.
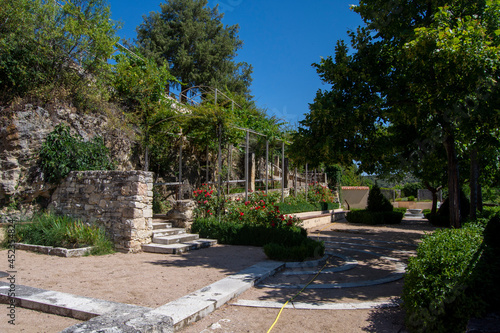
x: 411, y: 198
x: 62, y: 152
x: 235, y: 233
x: 62, y: 231
x: 438, y: 220
x: 306, y: 207
x: 435, y: 286
x: 308, y: 249
x: 400, y: 210
x: 444, y: 210
x: 377, y: 202
x: 411, y: 189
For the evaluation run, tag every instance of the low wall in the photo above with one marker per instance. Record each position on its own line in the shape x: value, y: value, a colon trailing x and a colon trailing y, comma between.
x: 412, y: 204
x: 120, y: 201
x: 355, y: 196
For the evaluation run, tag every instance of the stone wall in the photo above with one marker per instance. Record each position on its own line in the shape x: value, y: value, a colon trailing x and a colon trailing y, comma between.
x: 121, y: 201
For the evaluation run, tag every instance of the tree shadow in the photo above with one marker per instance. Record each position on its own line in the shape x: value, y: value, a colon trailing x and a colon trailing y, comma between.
x: 386, y: 320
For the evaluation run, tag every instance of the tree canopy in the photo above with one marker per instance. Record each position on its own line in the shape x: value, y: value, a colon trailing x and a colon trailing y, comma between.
x: 198, y: 49
x: 420, y: 77
x: 48, y: 49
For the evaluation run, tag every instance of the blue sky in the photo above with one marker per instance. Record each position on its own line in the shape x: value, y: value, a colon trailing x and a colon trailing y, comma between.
x: 281, y: 41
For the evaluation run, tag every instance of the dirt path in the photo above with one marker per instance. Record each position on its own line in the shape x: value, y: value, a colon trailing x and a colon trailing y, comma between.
x: 152, y: 280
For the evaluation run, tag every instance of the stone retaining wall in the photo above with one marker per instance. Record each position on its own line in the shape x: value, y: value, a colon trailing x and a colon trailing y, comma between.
x: 121, y: 201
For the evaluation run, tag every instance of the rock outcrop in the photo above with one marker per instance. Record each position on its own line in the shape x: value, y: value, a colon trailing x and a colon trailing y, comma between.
x: 22, y: 132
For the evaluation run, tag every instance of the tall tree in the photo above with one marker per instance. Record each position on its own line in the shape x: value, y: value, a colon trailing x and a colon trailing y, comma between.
x: 45, y: 46
x: 420, y: 68
x: 199, y: 50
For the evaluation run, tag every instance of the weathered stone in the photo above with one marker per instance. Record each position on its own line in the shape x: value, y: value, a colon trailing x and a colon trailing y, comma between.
x: 127, y: 219
x: 24, y: 128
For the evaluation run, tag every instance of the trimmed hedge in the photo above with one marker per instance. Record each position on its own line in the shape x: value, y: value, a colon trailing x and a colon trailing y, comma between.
x: 244, y: 234
x: 453, y: 278
x: 286, y: 244
x: 374, y: 218
x: 285, y: 208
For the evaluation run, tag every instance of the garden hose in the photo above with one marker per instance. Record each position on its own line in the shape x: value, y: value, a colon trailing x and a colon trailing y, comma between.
x: 297, y: 294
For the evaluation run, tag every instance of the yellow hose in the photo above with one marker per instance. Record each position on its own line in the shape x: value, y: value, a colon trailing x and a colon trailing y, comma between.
x: 297, y: 294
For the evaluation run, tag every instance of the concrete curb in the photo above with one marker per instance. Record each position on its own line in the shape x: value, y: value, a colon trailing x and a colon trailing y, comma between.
x: 54, y: 251
x: 200, y: 303
x: 318, y: 306
x: 62, y: 304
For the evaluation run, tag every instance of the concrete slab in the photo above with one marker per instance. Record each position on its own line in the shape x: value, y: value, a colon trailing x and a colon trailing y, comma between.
x: 132, y: 322
x: 63, y: 304
x: 318, y: 306
x: 200, y: 303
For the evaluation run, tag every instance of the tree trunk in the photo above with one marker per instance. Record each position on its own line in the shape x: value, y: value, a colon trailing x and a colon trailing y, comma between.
x: 474, y: 175
x: 479, y: 197
x: 453, y: 182
x: 434, y: 192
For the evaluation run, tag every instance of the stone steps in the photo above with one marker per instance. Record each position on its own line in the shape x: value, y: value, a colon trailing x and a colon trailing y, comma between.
x: 179, y: 248
x: 169, y: 240
x: 174, y: 239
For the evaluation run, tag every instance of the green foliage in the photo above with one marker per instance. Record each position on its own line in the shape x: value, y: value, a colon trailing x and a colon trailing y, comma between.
x: 407, y: 90
x: 189, y: 36
x: 411, y: 189
x: 61, y: 231
x: 236, y: 233
x: 377, y: 202
x: 436, y: 294
x: 286, y: 208
x: 140, y: 84
x: 374, y: 218
x: 403, y: 210
x: 442, y: 217
x: 61, y: 153
x: 308, y: 249
x: 46, y: 49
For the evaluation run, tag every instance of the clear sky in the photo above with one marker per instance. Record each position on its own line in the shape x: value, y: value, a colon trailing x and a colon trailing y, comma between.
x: 281, y: 41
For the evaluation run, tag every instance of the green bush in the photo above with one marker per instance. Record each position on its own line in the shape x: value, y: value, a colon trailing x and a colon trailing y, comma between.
x: 435, y: 290
x: 400, y: 210
x: 306, y: 207
x: 438, y: 220
x: 61, y: 153
x: 374, y: 218
x: 411, y: 189
x: 308, y: 249
x: 235, y: 233
x: 62, y: 231
x: 411, y: 198
x: 377, y: 202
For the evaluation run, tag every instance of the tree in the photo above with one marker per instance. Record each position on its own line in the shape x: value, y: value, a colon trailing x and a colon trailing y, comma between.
x: 420, y: 69
x: 140, y: 84
x: 46, y: 47
x: 199, y: 50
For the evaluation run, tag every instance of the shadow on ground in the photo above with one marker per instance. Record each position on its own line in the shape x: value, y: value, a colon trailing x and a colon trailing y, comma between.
x: 386, y: 320
x: 228, y: 258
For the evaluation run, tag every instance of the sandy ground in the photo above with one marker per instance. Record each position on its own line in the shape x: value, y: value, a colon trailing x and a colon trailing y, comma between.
x: 152, y: 280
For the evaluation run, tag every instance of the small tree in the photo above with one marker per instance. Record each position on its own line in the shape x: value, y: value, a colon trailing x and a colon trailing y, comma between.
x: 377, y: 202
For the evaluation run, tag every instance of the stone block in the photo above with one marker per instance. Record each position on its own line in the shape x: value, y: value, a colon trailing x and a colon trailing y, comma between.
x: 147, y: 212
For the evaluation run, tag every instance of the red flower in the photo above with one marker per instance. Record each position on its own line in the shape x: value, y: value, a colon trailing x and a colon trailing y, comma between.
x: 241, y: 213
x: 273, y: 224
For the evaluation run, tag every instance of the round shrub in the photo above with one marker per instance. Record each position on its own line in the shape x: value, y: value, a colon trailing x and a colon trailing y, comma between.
x: 377, y: 202
x: 436, y: 280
